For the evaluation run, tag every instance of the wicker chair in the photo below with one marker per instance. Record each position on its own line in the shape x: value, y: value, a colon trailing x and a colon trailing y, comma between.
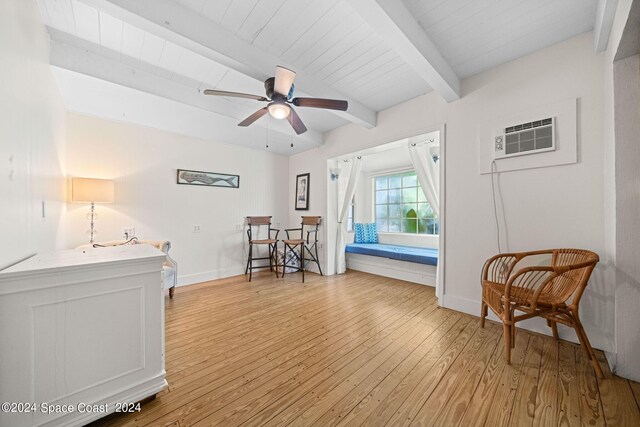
x: 541, y: 291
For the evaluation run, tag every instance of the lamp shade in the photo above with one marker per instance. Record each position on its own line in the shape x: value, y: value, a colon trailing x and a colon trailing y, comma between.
x: 88, y: 190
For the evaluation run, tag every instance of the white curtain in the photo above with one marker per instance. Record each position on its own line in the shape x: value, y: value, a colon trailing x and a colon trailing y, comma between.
x: 345, y: 194
x: 428, y: 172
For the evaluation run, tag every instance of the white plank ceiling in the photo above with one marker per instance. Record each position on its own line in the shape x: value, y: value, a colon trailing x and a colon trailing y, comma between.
x: 327, y: 41
x: 474, y: 35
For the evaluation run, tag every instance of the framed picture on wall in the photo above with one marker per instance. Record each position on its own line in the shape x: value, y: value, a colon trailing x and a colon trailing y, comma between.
x: 302, y: 192
x: 208, y: 179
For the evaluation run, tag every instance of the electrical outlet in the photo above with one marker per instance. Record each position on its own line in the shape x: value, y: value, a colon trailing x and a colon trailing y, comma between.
x: 129, y: 232
x: 239, y: 227
x: 196, y: 228
x: 277, y: 224
x: 320, y: 245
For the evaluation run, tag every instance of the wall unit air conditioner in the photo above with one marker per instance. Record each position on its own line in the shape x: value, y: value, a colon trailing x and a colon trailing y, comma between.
x: 526, y: 138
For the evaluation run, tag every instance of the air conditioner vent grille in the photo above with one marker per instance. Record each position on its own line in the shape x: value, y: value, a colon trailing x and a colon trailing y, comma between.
x: 530, y: 125
x: 525, y: 138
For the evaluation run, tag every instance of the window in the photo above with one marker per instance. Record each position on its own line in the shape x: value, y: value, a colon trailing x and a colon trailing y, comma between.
x: 401, y: 207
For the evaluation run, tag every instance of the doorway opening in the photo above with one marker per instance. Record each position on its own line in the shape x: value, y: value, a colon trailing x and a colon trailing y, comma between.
x: 398, y: 186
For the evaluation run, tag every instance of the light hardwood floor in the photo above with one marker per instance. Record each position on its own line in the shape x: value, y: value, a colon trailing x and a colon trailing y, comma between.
x: 359, y: 349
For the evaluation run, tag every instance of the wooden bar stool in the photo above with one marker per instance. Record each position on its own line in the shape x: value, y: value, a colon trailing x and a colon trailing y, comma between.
x: 255, y: 223
x: 307, y: 246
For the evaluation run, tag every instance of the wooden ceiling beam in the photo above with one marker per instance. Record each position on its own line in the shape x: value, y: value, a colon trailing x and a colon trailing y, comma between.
x: 77, y: 55
x: 397, y: 26
x: 605, y: 12
x: 168, y: 20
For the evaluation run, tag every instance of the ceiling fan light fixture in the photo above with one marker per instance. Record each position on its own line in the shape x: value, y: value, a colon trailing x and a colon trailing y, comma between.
x: 279, y: 110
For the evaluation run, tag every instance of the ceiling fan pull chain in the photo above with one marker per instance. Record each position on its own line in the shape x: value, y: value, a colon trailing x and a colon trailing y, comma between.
x: 268, y: 127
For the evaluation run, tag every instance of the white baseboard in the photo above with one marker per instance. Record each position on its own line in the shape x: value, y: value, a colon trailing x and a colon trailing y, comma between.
x: 402, y: 270
x: 597, y: 338
x: 612, y: 359
x: 205, y: 276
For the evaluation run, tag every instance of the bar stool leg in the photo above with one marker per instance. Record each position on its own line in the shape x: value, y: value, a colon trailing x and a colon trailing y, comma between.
x: 250, y: 261
x: 274, y: 257
x: 284, y: 260
x: 318, y: 259
x: 302, y: 260
x: 246, y: 270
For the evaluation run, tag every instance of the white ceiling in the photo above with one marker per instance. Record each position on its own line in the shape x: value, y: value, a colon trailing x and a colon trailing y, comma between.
x: 173, y: 49
x: 474, y: 36
x: 327, y: 39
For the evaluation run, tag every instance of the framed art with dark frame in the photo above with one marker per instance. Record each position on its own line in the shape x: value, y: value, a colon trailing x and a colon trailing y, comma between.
x: 208, y: 179
x: 302, y: 192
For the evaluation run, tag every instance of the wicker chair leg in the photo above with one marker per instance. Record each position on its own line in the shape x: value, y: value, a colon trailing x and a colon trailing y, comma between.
x: 513, y: 329
x: 584, y: 342
x: 483, y: 313
x: 554, y: 328
x: 506, y: 332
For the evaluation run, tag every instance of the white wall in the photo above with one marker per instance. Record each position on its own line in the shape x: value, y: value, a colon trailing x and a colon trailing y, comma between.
x: 31, y: 136
x: 310, y: 162
x: 143, y: 163
x: 560, y: 206
x: 621, y: 110
x: 627, y: 301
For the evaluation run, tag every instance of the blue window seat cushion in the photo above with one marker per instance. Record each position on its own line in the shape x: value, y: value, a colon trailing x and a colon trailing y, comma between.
x: 403, y: 253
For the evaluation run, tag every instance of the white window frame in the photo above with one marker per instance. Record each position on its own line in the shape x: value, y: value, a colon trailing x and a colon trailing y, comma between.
x: 374, y: 204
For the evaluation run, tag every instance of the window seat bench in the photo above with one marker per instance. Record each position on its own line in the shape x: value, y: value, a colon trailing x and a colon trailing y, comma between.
x: 403, y: 253
x: 410, y: 263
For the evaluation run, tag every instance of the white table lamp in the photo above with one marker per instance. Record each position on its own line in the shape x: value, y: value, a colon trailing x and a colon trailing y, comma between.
x: 92, y: 190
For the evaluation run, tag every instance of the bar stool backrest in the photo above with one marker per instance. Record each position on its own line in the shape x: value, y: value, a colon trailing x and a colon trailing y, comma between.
x: 254, y: 223
x: 310, y: 223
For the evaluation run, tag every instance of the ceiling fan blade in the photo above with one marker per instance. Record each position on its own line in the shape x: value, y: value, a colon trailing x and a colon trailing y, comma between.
x: 283, y: 80
x: 296, y: 122
x: 234, y: 94
x: 331, y: 104
x: 252, y: 118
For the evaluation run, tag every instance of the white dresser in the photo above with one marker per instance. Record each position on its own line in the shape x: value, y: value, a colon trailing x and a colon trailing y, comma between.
x: 81, y: 331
